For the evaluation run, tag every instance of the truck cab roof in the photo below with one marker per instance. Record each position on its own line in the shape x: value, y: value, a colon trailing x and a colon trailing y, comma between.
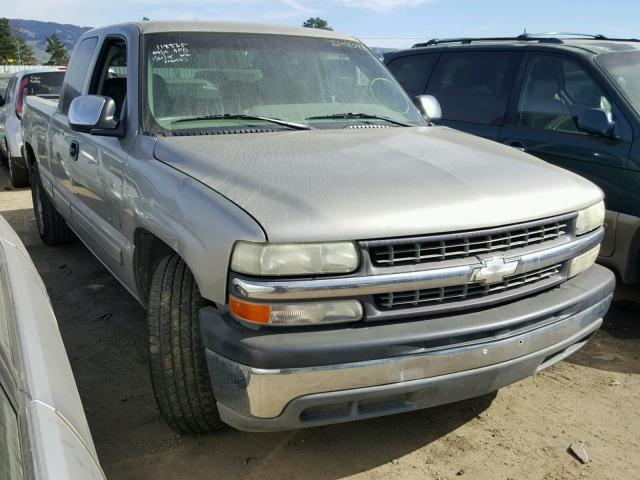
x: 160, y: 26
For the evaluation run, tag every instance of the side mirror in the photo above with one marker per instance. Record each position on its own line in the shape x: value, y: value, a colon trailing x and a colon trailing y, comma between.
x: 94, y: 114
x: 429, y: 107
x: 596, y: 122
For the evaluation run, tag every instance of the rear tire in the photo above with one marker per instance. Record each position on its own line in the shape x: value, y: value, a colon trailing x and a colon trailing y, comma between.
x: 52, y: 227
x: 19, y: 175
x: 179, y: 373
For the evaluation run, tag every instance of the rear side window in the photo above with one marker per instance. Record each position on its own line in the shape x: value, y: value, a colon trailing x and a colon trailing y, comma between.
x: 412, y: 72
x: 77, y: 72
x: 474, y: 86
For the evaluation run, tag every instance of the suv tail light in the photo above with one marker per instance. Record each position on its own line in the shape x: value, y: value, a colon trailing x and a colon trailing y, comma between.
x: 21, y: 97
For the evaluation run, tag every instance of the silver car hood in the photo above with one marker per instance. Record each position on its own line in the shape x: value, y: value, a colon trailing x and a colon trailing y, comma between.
x: 375, y: 183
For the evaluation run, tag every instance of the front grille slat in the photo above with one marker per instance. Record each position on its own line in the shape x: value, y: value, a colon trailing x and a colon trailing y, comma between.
x: 399, y: 252
x: 456, y: 293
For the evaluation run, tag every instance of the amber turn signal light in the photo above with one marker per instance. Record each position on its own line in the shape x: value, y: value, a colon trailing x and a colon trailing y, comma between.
x: 251, y: 312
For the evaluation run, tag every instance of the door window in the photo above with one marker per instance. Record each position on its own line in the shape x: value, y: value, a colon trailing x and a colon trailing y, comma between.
x: 77, y: 72
x: 110, y: 74
x: 412, y: 72
x: 555, y: 92
x: 474, y: 86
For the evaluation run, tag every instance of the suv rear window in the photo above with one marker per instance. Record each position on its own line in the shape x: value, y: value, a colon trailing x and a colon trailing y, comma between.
x: 474, y: 86
x: 412, y: 72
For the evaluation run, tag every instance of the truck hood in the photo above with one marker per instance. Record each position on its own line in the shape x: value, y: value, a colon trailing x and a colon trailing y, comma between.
x: 375, y: 183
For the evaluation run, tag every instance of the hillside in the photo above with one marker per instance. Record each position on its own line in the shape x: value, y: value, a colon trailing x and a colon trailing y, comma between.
x: 35, y: 33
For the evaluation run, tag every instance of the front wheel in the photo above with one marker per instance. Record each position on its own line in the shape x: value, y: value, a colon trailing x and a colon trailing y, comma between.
x: 179, y: 373
x: 52, y: 227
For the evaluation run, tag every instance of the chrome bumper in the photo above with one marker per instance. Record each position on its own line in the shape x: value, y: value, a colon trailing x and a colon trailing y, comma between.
x: 273, y: 399
x: 398, y: 282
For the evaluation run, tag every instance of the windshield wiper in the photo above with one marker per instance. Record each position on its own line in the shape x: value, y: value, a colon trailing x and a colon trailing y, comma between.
x: 364, y: 116
x: 242, y: 116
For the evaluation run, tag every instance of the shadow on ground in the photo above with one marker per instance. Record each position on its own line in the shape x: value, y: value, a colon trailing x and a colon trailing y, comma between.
x: 615, y: 347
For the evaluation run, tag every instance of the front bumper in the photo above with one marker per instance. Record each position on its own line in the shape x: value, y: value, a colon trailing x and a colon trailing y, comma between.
x: 268, y: 380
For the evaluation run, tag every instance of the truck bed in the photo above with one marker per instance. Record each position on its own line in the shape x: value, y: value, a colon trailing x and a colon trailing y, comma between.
x: 45, y: 105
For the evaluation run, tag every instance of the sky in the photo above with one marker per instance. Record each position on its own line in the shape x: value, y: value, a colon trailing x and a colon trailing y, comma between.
x: 382, y: 23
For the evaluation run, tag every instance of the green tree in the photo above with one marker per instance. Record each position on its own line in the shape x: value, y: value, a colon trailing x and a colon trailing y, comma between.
x: 317, y: 22
x: 8, y: 47
x: 25, y: 54
x: 57, y: 51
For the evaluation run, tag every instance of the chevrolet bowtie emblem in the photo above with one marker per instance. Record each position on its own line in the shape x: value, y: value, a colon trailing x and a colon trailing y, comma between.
x: 494, y: 270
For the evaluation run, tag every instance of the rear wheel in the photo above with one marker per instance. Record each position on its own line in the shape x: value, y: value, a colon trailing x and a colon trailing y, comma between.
x: 179, y: 373
x: 52, y: 227
x: 18, y: 174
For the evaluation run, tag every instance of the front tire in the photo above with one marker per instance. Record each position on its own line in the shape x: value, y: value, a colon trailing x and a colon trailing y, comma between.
x: 179, y: 373
x: 52, y: 227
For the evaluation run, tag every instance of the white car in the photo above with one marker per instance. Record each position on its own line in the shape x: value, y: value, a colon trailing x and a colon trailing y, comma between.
x: 43, y: 429
x: 43, y: 82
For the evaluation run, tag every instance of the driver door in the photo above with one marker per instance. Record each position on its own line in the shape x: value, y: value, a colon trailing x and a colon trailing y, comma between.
x: 554, y: 90
x: 96, y: 170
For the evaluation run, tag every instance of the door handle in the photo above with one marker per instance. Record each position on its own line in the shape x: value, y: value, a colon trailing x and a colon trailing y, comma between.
x: 74, y: 149
x: 517, y: 145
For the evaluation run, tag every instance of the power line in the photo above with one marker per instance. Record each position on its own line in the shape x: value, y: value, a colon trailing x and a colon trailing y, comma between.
x: 418, y: 37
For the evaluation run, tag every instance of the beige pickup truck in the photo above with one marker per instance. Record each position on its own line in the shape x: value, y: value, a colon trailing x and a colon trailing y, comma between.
x: 309, y: 248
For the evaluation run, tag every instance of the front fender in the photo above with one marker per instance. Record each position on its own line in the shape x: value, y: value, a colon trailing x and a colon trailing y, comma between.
x: 195, y: 221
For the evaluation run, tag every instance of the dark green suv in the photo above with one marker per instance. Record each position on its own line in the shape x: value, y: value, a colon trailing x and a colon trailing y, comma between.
x: 572, y: 100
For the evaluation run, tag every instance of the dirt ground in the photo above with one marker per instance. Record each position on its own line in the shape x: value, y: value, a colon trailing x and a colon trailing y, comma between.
x: 522, y: 432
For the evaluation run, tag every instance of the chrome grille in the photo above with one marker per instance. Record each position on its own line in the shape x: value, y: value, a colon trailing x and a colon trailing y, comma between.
x: 439, y: 248
x: 456, y: 293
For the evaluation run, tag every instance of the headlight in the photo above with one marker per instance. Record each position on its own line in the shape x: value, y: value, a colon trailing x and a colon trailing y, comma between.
x: 292, y: 314
x: 273, y: 259
x: 590, y: 218
x: 584, y: 261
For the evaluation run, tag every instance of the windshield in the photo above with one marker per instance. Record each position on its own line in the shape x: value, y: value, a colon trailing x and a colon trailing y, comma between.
x: 322, y: 83
x: 624, y: 70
